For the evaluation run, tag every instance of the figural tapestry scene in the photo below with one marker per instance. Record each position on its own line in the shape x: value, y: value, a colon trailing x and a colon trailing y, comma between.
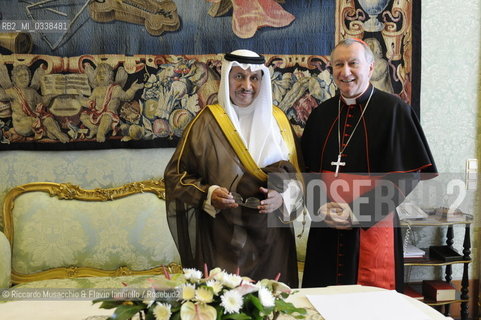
x: 91, y: 74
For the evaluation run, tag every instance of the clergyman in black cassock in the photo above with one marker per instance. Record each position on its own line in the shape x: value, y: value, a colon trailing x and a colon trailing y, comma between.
x: 368, y: 149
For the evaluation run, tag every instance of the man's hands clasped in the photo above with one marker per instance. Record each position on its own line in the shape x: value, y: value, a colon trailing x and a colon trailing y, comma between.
x: 336, y: 215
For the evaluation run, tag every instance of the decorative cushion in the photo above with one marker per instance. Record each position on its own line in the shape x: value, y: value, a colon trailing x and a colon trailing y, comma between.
x: 52, y: 233
x: 63, y: 231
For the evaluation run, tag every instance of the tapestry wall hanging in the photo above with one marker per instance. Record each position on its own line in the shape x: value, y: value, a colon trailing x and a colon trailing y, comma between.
x: 96, y: 74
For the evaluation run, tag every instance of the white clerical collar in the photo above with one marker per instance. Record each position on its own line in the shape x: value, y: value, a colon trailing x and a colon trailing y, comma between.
x: 351, y: 101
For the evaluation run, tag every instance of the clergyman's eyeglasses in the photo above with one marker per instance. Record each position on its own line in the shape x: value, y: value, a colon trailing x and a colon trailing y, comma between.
x: 251, y: 202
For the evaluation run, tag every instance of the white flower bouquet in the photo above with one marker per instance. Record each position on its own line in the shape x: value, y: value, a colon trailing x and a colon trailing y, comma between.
x: 214, y: 295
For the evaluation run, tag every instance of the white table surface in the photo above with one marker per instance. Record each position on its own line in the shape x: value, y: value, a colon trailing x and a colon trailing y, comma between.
x: 84, y: 310
x: 300, y: 299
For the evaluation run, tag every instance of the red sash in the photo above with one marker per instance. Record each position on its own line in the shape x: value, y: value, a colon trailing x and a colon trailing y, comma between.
x: 376, y: 255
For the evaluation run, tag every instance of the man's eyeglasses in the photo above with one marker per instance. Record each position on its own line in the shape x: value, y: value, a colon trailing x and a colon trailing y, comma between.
x: 251, y: 202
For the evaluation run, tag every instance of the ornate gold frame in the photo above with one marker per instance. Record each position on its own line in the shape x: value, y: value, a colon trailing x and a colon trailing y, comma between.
x: 67, y: 191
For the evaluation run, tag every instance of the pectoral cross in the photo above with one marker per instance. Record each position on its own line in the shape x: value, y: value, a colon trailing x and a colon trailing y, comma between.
x: 337, y: 164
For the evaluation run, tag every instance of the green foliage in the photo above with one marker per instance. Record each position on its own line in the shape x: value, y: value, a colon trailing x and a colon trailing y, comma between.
x: 236, y: 316
x: 208, y: 298
x: 125, y: 312
x: 288, y: 308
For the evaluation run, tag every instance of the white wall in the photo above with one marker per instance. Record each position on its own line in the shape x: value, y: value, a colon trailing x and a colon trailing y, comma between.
x: 450, y: 79
x: 450, y: 104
